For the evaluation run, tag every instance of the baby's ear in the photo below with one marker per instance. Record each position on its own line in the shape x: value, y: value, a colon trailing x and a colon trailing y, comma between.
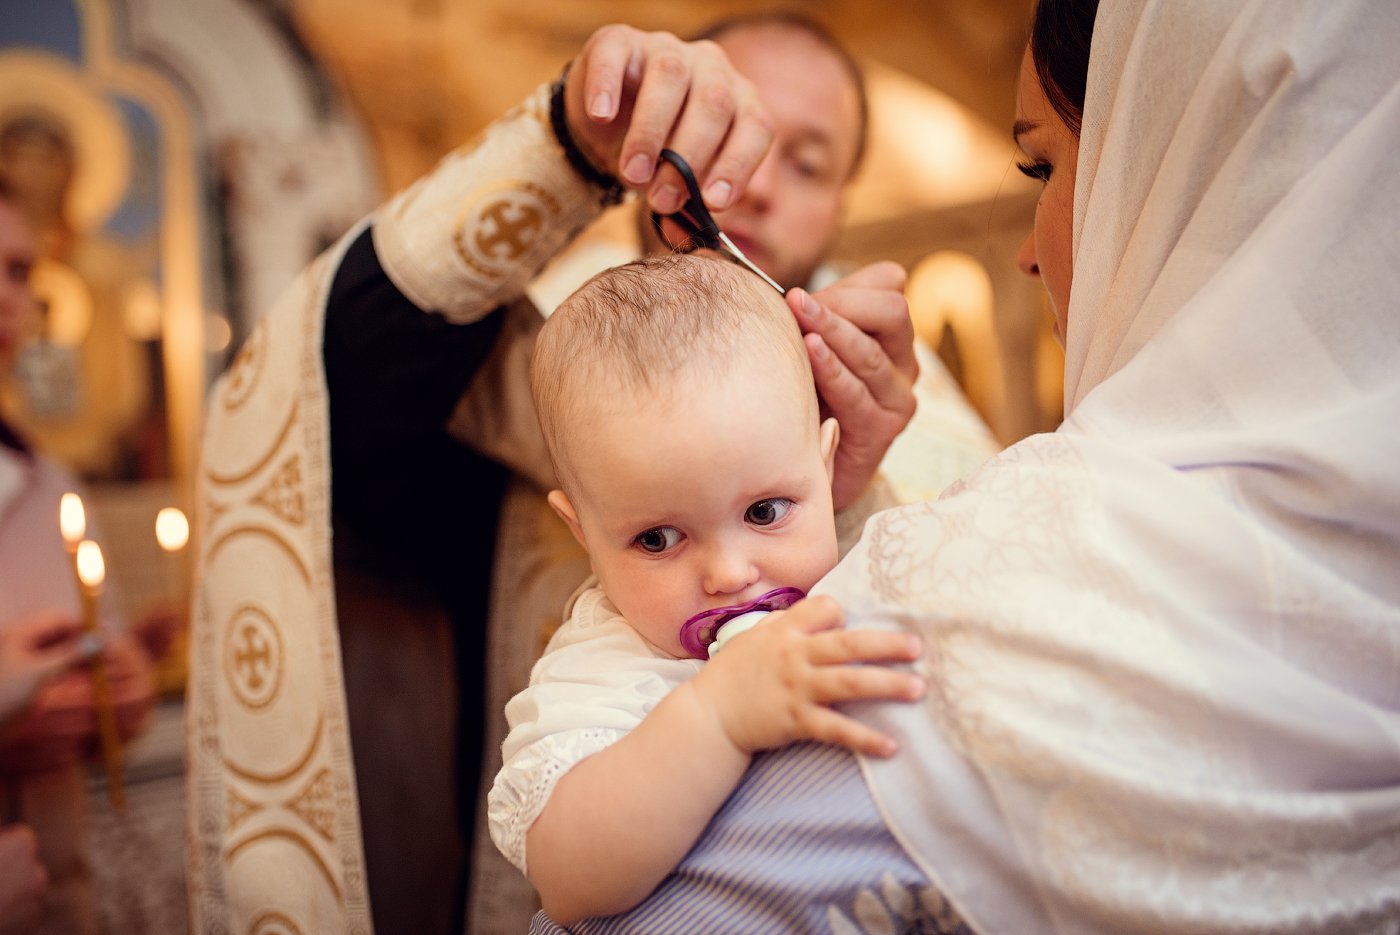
x: 829, y: 437
x: 565, y: 508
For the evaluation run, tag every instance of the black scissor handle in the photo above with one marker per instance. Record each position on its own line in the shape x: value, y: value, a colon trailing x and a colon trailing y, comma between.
x: 692, y: 217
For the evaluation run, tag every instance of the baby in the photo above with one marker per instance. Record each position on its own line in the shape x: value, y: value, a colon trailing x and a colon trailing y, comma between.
x: 679, y: 410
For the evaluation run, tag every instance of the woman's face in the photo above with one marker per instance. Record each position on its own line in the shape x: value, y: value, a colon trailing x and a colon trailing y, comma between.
x: 1052, y: 152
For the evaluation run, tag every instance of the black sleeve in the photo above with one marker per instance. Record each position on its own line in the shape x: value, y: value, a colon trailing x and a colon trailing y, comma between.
x: 394, y: 375
x: 415, y: 515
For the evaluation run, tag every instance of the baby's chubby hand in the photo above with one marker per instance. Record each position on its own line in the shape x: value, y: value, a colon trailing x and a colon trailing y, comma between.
x: 776, y: 683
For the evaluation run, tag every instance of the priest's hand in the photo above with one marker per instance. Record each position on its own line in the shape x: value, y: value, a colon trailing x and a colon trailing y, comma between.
x: 860, y: 341
x: 631, y: 93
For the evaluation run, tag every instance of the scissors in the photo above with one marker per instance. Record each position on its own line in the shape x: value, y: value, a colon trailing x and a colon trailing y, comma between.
x: 694, y: 218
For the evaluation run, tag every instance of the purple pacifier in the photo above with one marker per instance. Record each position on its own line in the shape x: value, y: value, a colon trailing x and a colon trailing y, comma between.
x: 700, y: 631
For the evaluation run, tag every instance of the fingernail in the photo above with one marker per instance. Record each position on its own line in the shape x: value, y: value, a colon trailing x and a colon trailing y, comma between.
x: 916, y: 688
x: 811, y: 309
x: 638, y: 169
x: 718, y: 193
x: 916, y: 646
x: 602, y: 106
x: 666, y: 199
x: 820, y: 349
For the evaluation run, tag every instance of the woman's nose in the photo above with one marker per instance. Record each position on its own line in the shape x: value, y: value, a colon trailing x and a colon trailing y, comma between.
x: 1025, y: 257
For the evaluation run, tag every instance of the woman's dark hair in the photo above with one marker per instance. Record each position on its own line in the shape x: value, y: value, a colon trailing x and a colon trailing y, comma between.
x: 1060, y: 35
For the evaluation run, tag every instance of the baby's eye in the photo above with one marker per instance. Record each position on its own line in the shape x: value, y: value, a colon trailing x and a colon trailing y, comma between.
x: 658, y: 540
x: 767, y: 512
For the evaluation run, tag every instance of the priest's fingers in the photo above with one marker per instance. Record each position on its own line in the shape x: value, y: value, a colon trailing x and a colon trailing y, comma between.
x: 749, y: 139
x: 821, y: 723
x: 631, y: 93
x: 723, y: 131
x: 660, y: 97
x: 871, y: 398
x: 849, y: 311
x: 886, y: 274
x: 599, y: 94
x: 609, y: 57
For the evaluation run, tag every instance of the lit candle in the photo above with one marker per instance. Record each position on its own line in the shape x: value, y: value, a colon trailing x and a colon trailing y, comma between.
x: 172, y: 529
x: 172, y: 533
x: 92, y: 571
x: 72, y: 521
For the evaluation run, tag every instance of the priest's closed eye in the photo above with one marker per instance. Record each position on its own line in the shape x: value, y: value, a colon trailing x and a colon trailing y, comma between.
x: 768, y: 511
x: 1035, y: 170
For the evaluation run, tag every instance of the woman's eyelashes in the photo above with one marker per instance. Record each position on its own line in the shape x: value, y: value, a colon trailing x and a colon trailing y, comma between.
x: 1035, y: 170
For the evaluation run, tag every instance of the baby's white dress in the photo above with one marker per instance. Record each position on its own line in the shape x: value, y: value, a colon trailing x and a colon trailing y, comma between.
x: 597, y: 680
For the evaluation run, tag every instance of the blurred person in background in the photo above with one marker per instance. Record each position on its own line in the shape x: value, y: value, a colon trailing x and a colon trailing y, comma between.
x: 48, y: 727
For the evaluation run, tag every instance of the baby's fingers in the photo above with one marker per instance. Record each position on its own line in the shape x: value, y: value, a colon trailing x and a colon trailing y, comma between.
x: 835, y: 684
x: 837, y: 646
x: 830, y: 727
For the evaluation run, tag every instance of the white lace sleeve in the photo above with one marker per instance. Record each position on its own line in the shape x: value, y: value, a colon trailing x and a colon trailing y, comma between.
x: 523, y: 785
x: 595, y: 682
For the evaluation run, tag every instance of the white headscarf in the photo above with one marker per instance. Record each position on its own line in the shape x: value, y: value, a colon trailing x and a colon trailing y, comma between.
x: 1164, y: 642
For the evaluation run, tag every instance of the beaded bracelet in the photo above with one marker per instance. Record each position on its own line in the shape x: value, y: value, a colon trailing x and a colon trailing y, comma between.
x: 558, y: 121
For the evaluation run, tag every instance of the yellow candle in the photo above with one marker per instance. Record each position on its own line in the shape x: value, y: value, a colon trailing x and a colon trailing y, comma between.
x: 92, y: 571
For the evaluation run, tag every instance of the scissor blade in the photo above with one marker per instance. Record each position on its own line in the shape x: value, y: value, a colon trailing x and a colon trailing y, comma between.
x: 738, y: 254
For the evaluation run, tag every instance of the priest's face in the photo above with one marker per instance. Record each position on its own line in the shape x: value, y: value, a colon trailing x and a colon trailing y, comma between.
x: 710, y: 495
x: 1052, y: 153
x: 16, y: 298
x: 788, y: 215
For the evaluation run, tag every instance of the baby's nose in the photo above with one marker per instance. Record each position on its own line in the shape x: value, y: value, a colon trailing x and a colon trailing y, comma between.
x: 729, y: 572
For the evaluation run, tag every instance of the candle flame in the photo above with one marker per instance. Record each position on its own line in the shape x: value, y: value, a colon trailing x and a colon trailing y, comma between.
x: 91, y: 568
x: 172, y: 529
x: 72, y: 521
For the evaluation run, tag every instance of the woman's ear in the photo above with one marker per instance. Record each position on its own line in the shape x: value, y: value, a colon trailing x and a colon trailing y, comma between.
x: 829, y: 437
x: 562, y: 505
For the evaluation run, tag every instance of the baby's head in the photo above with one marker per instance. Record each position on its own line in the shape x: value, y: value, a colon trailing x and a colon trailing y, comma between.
x: 679, y: 410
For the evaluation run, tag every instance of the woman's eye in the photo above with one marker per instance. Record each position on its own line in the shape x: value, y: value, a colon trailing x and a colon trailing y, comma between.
x: 658, y: 540
x: 767, y: 512
x: 1039, y: 171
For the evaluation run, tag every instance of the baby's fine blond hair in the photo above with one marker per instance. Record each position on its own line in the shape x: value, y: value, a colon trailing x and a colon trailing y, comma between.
x: 643, y: 326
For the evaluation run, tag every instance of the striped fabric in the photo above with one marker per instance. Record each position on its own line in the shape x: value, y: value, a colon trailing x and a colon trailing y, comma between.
x: 799, y: 847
